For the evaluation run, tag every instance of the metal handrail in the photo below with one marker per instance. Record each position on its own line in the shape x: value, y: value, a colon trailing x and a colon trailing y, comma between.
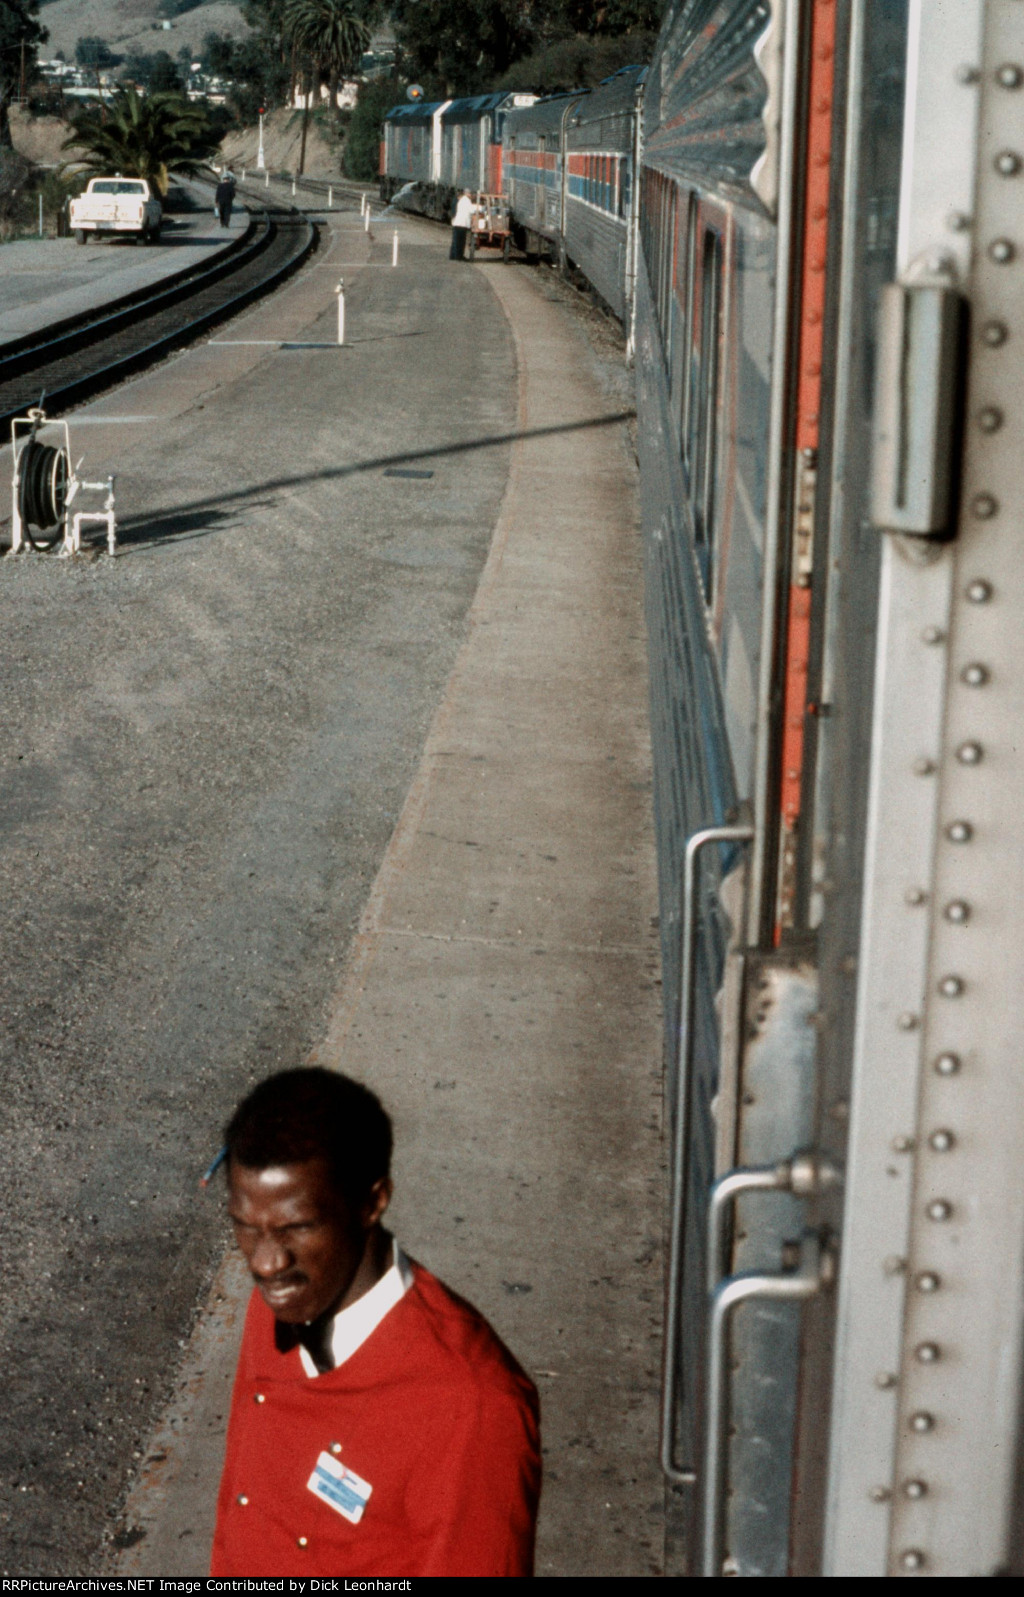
x: 805, y: 1175
x: 763, y: 1178
x: 807, y: 1280
x: 684, y: 1474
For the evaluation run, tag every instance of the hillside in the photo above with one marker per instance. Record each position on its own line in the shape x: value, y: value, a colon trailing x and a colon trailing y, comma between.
x: 134, y: 25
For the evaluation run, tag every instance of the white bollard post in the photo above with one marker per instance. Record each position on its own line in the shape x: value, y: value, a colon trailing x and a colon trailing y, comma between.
x: 243, y: 174
x: 366, y: 220
x: 394, y: 248
x: 293, y: 186
x: 362, y: 204
x: 330, y: 198
x: 340, y: 291
x: 267, y: 183
x: 40, y: 216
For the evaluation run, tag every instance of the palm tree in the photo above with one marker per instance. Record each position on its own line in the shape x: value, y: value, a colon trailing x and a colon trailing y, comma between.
x: 142, y: 137
x: 333, y: 34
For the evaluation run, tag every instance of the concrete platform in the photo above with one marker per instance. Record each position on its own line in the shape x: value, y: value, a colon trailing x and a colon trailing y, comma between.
x: 45, y: 280
x: 500, y: 986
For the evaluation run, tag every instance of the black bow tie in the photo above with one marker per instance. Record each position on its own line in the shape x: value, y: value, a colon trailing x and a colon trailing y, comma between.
x: 314, y: 1337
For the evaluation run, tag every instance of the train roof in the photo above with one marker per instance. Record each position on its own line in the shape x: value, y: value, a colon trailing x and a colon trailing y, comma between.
x: 467, y: 109
x: 613, y: 94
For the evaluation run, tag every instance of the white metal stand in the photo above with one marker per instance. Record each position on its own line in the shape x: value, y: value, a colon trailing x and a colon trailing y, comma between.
x: 23, y: 430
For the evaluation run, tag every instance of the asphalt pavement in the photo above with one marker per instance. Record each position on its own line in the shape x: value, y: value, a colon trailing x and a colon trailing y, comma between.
x: 336, y: 763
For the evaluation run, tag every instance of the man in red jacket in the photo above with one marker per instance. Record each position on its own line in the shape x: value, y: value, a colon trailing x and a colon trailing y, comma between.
x: 378, y: 1426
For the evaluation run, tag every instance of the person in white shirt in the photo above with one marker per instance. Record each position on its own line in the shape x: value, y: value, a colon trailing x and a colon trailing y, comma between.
x: 462, y: 221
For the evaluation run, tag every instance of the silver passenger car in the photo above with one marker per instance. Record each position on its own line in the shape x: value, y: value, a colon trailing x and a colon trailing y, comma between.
x: 601, y: 149
x: 534, y: 173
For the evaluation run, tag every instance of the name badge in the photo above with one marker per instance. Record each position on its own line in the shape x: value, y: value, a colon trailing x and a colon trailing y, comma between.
x: 340, y: 1488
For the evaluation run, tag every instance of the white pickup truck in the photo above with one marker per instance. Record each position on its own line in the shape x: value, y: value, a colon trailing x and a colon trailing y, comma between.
x: 116, y: 205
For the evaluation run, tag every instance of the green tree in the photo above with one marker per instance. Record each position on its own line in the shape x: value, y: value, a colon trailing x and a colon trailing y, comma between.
x: 139, y: 137
x: 330, y: 36
x: 460, y: 49
x: 580, y: 62
x: 362, y: 142
x: 20, y: 37
x: 95, y: 53
x: 155, y: 72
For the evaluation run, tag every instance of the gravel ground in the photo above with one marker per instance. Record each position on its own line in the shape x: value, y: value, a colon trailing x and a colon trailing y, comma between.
x: 205, y: 745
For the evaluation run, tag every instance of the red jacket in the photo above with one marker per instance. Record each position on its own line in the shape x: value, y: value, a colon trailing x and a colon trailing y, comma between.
x: 418, y: 1456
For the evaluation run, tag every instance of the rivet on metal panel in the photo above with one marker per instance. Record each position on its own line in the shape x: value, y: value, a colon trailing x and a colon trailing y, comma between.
x: 922, y: 1422
x: 915, y: 896
x: 947, y: 1065
x: 885, y: 1380
x: 958, y: 221
x: 927, y: 1352
x: 994, y: 333
x: 924, y: 766
x: 969, y: 753
x: 912, y: 1558
x: 939, y: 1209
x: 903, y: 1145
x: 915, y: 1490
x: 879, y: 1494
x: 1009, y: 75
x: 941, y: 1141
x: 933, y: 635
x: 1001, y: 251
x: 957, y: 911
x: 907, y: 1021
x: 974, y: 675
x: 967, y: 74
x: 1007, y: 163
x: 242, y: 1500
x: 990, y: 419
x: 927, y: 1281
x: 959, y: 831
x: 951, y: 986
x: 984, y: 506
x: 979, y: 591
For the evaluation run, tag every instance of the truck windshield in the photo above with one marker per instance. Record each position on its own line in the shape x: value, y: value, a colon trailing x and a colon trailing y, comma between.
x: 111, y: 186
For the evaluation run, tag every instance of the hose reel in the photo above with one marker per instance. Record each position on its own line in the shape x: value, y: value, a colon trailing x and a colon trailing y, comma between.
x: 44, y: 486
x: 44, y: 477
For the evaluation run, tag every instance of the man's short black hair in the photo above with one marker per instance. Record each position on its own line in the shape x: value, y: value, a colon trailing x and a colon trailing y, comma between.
x: 314, y: 1114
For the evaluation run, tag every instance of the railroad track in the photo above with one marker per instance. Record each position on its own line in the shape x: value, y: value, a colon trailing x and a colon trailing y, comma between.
x: 75, y: 359
x: 340, y: 188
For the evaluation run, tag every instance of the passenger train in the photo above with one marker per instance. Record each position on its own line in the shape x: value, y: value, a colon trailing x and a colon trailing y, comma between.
x: 809, y: 215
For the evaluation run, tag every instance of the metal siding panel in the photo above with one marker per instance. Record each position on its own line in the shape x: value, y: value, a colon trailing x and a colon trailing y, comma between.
x: 597, y: 243
x: 896, y: 987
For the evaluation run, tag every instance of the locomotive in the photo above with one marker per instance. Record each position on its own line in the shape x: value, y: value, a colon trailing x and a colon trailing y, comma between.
x: 809, y: 215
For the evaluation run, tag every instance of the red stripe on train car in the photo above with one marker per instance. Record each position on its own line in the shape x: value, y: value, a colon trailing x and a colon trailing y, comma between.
x: 808, y: 400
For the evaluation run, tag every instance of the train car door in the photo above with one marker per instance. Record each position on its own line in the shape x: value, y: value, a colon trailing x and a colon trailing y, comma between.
x: 864, y: 1343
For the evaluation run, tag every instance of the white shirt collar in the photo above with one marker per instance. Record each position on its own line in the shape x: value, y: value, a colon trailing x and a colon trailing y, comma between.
x: 353, y: 1325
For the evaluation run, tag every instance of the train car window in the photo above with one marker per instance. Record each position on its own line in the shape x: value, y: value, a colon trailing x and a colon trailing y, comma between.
x: 687, y: 287
x: 706, y: 400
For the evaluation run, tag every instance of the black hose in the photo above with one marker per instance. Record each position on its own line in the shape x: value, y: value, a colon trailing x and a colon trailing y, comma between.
x: 43, y: 473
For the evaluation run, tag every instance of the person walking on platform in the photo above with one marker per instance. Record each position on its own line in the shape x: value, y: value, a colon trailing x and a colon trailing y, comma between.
x: 462, y: 221
x: 378, y: 1426
x: 224, y: 196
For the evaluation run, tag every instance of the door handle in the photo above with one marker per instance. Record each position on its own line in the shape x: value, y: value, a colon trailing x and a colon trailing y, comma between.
x: 683, y: 1474
x: 916, y: 403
